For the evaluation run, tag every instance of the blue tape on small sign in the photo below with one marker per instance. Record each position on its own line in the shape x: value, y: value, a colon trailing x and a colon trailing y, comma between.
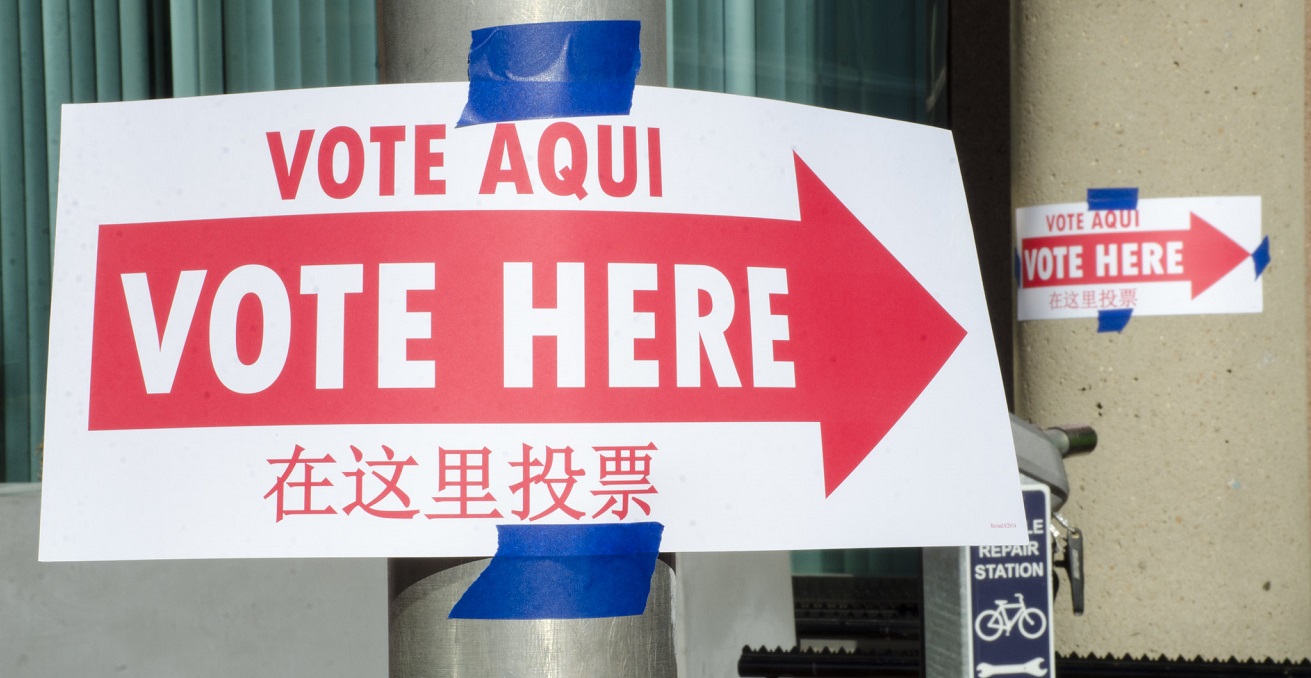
x: 1113, y: 320
x: 1112, y: 199
x: 565, y: 572
x: 1261, y: 256
x: 552, y: 70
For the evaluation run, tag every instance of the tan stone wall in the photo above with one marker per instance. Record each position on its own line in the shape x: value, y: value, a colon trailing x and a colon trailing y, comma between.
x: 1195, y: 505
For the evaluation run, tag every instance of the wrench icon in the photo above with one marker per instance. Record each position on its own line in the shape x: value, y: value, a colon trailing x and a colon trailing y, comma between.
x: 1033, y: 667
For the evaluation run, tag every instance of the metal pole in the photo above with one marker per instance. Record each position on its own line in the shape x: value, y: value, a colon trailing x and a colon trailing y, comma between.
x: 424, y: 643
x: 428, y: 41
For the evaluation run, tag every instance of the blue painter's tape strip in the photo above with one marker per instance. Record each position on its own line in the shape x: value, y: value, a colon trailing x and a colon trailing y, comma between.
x: 552, y: 70
x: 1261, y: 256
x: 1112, y: 199
x: 565, y: 572
x: 1113, y: 320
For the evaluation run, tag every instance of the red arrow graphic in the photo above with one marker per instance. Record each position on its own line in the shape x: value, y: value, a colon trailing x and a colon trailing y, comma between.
x: 1200, y: 255
x: 865, y: 338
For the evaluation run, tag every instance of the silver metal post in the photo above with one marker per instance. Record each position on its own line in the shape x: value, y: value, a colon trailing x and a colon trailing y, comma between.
x: 428, y: 41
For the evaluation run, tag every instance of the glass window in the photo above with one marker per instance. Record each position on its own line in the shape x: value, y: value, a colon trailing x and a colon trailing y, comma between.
x: 885, y: 58
x: 52, y: 53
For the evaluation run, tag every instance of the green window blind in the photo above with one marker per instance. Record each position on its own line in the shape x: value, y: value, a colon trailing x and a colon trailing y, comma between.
x: 884, y: 57
x: 54, y: 52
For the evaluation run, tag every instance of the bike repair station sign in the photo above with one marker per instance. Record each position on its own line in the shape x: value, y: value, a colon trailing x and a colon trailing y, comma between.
x: 334, y: 322
x: 1166, y: 256
x: 1011, y: 599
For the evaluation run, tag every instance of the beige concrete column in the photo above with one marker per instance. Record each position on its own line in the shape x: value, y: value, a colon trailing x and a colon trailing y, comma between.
x: 1306, y: 165
x: 1195, y: 505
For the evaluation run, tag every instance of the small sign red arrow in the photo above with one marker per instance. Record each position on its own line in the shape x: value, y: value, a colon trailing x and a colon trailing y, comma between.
x: 1200, y: 255
x: 864, y: 337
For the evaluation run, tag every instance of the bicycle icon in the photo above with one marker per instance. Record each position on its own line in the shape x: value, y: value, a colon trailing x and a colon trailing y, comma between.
x: 992, y: 624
